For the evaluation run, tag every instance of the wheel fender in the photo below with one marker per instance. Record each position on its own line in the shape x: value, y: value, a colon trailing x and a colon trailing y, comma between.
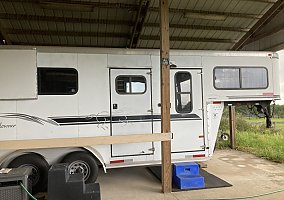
x: 14, y: 154
x: 93, y: 151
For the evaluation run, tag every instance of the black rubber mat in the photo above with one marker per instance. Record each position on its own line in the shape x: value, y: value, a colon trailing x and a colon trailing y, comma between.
x: 211, y: 181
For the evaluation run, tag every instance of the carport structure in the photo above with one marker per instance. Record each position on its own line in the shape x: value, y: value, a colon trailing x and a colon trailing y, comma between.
x: 194, y: 24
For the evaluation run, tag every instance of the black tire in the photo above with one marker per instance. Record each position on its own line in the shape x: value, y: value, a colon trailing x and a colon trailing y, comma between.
x: 39, y: 170
x: 225, y: 136
x: 82, y: 162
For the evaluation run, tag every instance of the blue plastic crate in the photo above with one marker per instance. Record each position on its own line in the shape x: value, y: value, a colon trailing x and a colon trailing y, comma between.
x: 185, y: 181
x: 189, y: 168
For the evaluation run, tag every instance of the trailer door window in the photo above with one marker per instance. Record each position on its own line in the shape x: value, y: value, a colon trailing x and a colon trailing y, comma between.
x: 130, y: 84
x: 57, y: 81
x: 240, y: 78
x: 183, y: 92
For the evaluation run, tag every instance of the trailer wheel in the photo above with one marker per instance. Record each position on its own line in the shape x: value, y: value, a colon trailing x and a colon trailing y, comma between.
x: 39, y: 168
x: 82, y: 162
x: 225, y: 136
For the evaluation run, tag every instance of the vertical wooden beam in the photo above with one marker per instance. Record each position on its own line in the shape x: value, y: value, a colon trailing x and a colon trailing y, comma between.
x: 165, y: 95
x: 232, y: 118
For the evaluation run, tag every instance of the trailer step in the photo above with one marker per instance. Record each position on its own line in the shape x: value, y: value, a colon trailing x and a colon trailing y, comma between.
x: 189, y: 168
x: 186, y: 176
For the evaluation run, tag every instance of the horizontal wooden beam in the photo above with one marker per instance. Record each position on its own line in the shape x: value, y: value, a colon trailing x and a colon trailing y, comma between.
x: 83, y: 141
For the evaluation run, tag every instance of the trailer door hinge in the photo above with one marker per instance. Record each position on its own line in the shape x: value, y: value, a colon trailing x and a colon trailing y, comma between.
x: 203, y: 146
x: 151, y: 149
x: 149, y: 73
x: 150, y: 110
x: 200, y: 73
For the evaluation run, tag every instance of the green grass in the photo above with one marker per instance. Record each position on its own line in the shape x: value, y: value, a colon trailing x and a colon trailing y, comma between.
x: 269, y: 146
x: 256, y: 120
x: 258, y: 140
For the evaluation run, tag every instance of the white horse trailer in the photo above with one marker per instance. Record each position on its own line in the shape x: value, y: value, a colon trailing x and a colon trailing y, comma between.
x: 51, y: 93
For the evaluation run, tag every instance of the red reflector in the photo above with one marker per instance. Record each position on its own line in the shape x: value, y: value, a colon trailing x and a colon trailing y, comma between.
x: 268, y: 94
x: 201, y: 136
x: 199, y: 156
x: 116, y: 161
x: 217, y: 102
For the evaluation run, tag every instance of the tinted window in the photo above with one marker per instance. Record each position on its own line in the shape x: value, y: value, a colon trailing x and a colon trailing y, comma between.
x: 57, y: 81
x: 183, y: 92
x: 130, y: 84
x: 240, y: 78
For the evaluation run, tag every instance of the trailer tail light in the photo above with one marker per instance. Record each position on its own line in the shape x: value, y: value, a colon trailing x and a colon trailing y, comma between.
x: 216, y: 102
x: 116, y: 161
x: 268, y: 94
x: 199, y: 156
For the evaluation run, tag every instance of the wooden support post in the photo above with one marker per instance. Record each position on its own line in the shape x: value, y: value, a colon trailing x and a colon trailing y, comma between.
x: 232, y: 118
x: 165, y: 95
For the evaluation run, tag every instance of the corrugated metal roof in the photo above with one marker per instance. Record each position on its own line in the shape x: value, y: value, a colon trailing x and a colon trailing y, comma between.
x: 194, y: 24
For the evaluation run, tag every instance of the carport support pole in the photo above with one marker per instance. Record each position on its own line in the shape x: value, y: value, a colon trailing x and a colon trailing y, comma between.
x: 165, y: 95
x: 232, y: 118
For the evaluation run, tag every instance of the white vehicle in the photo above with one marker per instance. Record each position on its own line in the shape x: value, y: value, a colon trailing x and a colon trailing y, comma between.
x: 49, y: 93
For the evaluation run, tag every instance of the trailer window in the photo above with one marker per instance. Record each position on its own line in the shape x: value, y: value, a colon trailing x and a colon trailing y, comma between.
x: 240, y: 78
x: 227, y: 78
x: 254, y: 78
x: 183, y: 92
x: 130, y: 84
x: 57, y: 81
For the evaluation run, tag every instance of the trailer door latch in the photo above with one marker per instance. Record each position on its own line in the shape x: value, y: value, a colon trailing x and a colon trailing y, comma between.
x: 151, y: 149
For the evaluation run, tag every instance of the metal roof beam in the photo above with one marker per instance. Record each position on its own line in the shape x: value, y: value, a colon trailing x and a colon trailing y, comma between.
x: 71, y: 5
x: 66, y: 45
x: 9, y: 16
x: 189, y: 39
x: 265, y: 34
x: 208, y: 14
x: 138, y: 15
x: 113, y: 35
x: 267, y: 17
x: 261, y: 1
x: 200, y: 27
x: 83, y: 6
x: 139, y: 22
x: 65, y: 33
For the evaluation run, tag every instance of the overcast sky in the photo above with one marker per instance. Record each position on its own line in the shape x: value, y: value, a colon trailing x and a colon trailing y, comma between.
x: 281, y: 64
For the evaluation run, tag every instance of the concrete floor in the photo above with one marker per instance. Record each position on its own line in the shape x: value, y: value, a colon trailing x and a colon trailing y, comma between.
x: 248, y: 174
